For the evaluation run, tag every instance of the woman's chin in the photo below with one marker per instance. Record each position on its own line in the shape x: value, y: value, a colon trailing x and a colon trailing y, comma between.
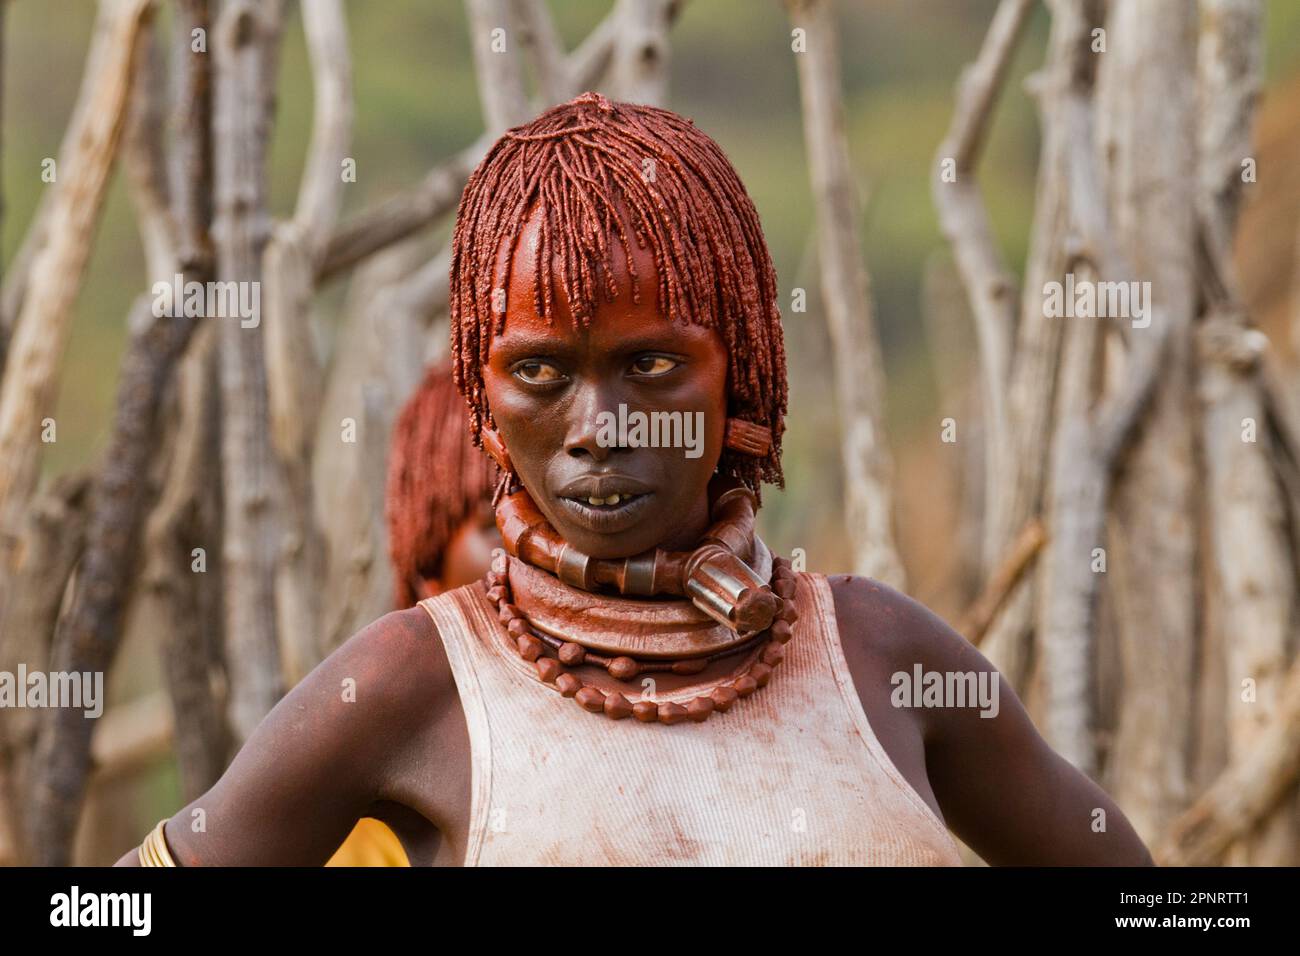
x: 608, y: 531
x: 611, y: 546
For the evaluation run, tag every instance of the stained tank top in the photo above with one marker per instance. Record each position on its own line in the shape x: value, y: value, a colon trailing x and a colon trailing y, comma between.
x: 791, y: 775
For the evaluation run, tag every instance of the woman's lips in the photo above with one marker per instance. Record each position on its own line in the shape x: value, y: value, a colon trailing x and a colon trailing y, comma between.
x: 605, y: 518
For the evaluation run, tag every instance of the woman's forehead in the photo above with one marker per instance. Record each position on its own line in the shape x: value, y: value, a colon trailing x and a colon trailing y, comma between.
x: 523, y: 310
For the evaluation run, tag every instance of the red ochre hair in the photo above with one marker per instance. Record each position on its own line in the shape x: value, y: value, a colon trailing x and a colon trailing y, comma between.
x: 578, y: 161
x: 436, y: 481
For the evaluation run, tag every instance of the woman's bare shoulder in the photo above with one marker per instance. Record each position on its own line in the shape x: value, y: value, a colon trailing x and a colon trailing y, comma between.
x: 884, y: 632
x: 891, y: 625
x: 397, y: 664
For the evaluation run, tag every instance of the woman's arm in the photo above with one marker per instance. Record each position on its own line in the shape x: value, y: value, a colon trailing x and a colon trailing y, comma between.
x: 320, y: 758
x: 1002, y: 789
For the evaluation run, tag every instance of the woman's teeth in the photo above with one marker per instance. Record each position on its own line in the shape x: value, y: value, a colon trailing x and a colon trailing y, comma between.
x: 611, y: 500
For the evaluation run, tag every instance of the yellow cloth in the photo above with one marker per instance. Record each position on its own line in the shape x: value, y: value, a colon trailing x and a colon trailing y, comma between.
x: 370, y: 843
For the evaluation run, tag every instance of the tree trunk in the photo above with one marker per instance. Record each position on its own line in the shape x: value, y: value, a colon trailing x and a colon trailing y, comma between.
x: 846, y: 295
x: 1149, y: 68
x: 86, y: 159
x: 242, y: 49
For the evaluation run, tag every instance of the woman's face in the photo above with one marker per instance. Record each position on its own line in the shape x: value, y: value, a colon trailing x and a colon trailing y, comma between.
x: 557, y: 393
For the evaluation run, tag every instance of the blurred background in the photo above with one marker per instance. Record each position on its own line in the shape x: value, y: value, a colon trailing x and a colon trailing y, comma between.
x: 416, y: 102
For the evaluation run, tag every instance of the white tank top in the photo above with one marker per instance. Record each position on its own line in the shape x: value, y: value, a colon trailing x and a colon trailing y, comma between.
x: 791, y: 775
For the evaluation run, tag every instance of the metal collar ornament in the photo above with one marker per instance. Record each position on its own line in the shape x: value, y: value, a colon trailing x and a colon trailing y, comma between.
x: 649, y: 628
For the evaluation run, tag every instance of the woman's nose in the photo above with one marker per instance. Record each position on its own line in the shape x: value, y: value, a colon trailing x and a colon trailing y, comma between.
x: 593, y: 417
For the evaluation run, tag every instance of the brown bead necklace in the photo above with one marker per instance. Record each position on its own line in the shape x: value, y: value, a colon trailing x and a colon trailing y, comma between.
x: 767, y: 648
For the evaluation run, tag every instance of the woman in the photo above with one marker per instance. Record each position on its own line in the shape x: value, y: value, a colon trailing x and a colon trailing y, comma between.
x: 639, y: 681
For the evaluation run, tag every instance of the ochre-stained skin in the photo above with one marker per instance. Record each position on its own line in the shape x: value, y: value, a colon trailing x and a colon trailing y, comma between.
x: 400, y: 752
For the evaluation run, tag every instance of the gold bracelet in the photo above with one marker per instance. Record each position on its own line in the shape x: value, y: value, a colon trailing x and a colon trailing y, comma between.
x: 153, y: 851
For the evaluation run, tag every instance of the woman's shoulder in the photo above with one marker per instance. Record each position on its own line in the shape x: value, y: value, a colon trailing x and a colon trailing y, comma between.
x: 399, y: 637
x: 890, y: 625
x: 395, y: 666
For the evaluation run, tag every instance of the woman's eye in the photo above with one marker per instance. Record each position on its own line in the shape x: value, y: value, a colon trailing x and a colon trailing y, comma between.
x: 654, y: 365
x: 538, y: 373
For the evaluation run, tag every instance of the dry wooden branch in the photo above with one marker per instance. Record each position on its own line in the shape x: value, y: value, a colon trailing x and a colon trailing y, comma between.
x: 187, y: 516
x: 859, y: 371
x: 8, y: 842
x: 144, y: 164
x: 641, y: 55
x: 1090, y: 436
x: 1250, y: 547
x: 1029, y: 402
x: 50, y: 544
x: 1230, y: 67
x: 320, y: 194
x: 979, y: 616
x: 14, y: 288
x: 400, y: 216
x: 545, y: 51
x: 1244, y: 793
x: 243, y: 49
x: 294, y: 374
x: 18, y: 276
x: 294, y: 385
x: 1280, y: 408
x: 497, y: 64
x: 1251, y: 551
x: 1153, y: 572
x: 36, y: 350
x: 965, y: 222
x: 87, y: 640
x: 391, y: 337
x: 191, y: 146
x: 4, y: 336
x: 186, y: 603
x: 589, y: 64
x: 166, y: 255
x: 350, y: 478
x: 405, y: 214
